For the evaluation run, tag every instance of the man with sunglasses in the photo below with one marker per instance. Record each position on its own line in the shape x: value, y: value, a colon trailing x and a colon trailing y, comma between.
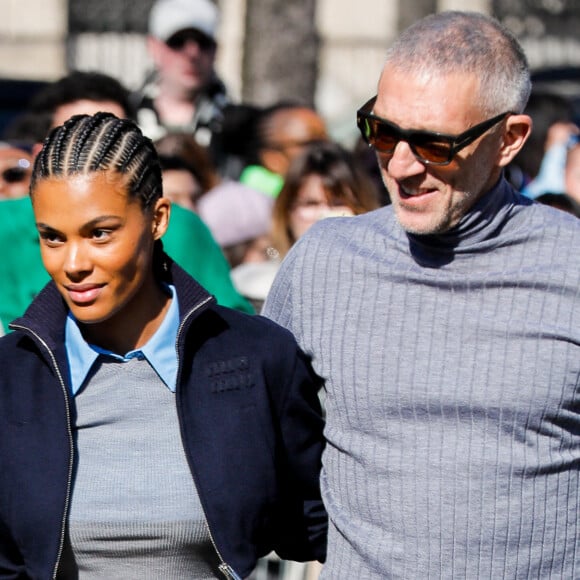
x: 183, y: 93
x: 447, y: 328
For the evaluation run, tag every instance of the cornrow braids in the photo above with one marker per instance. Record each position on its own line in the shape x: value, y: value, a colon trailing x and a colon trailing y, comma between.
x: 78, y: 144
x: 101, y: 142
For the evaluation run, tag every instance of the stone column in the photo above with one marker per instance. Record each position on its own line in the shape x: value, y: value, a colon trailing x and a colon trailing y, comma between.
x: 231, y: 44
x: 354, y: 38
x: 32, y: 39
x: 471, y: 5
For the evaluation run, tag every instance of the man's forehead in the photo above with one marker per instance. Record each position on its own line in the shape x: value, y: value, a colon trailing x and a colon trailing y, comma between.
x: 426, y: 76
x: 444, y: 102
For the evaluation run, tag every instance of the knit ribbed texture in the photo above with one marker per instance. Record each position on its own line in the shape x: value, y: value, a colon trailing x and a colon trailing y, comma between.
x: 452, y: 396
x: 135, y: 512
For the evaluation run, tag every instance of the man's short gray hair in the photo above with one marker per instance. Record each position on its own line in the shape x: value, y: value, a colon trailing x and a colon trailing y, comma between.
x: 470, y: 43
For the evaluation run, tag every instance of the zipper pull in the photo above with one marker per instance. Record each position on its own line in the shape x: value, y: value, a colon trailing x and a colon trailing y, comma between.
x: 229, y: 572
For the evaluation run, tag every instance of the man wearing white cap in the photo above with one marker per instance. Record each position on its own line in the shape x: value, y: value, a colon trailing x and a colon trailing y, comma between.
x: 184, y: 92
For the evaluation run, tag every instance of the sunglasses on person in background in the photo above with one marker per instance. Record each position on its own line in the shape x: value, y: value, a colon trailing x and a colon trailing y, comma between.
x: 178, y: 41
x: 428, y: 147
x: 291, y: 144
x: 16, y: 174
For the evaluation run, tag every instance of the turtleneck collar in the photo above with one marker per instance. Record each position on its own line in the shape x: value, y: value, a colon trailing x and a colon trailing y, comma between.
x: 478, y: 228
x: 478, y: 231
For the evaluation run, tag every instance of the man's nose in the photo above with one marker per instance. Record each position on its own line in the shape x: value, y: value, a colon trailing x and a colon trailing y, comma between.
x: 192, y: 47
x: 403, y: 163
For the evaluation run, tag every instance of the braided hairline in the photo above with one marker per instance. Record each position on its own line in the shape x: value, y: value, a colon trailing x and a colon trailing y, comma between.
x: 85, y: 144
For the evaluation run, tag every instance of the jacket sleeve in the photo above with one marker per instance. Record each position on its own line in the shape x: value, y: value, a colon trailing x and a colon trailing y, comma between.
x: 304, y: 523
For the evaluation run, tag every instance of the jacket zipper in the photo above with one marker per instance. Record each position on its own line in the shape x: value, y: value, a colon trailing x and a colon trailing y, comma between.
x: 70, y: 437
x: 228, y: 572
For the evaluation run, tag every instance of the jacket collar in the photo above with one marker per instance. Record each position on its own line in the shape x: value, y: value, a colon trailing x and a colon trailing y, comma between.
x: 46, y: 315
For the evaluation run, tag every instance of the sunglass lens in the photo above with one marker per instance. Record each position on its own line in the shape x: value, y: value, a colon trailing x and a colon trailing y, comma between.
x: 14, y: 175
x: 379, y: 135
x: 432, y: 151
x: 176, y: 42
x: 180, y: 39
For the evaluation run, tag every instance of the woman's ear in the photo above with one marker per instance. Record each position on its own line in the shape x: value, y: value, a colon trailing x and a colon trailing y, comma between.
x: 517, y: 130
x: 161, y: 214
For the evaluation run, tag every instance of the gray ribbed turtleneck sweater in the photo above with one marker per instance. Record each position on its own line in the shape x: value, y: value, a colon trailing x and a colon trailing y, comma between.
x: 453, y: 398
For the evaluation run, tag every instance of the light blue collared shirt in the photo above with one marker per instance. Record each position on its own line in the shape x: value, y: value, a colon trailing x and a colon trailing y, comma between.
x: 160, y: 350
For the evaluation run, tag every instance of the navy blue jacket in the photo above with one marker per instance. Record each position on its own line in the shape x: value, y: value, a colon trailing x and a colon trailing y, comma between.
x: 250, y: 422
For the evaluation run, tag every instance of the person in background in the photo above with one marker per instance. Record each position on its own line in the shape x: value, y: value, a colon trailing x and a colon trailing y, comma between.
x: 560, y: 201
x: 238, y: 216
x: 15, y: 169
x: 187, y: 240
x: 539, y: 166
x: 79, y: 92
x: 366, y: 158
x: 183, y: 93
x: 572, y: 172
x: 276, y: 134
x: 324, y: 180
x: 447, y: 329
x: 188, y: 172
x: 180, y: 182
x: 550, y: 177
x: 240, y: 219
x: 122, y: 370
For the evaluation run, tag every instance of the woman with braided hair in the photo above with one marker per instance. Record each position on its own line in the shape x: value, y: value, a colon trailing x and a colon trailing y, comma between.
x: 146, y: 431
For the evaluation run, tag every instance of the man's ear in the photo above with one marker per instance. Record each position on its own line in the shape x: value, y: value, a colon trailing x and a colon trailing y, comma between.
x: 161, y: 215
x: 516, y: 132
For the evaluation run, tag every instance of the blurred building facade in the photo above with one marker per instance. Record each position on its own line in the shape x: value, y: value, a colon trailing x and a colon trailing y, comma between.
x: 43, y: 39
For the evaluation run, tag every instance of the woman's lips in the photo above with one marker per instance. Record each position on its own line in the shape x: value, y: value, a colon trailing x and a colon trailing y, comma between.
x: 85, y: 293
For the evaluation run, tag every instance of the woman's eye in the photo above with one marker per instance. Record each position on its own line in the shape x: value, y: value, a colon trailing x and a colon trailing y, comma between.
x: 101, y: 234
x: 310, y: 203
x: 50, y: 238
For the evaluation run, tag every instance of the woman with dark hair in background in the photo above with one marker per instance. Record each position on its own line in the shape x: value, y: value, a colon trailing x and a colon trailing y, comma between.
x: 323, y: 181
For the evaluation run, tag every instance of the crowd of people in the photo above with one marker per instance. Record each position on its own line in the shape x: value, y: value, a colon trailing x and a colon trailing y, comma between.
x: 405, y: 406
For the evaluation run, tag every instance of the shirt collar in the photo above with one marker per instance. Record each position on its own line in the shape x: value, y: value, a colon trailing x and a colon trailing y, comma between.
x: 160, y: 350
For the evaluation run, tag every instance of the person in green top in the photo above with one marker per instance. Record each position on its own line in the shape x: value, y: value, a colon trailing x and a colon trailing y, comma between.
x: 22, y: 274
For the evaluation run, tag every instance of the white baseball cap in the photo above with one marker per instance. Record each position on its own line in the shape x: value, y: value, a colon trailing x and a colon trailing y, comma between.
x: 170, y: 16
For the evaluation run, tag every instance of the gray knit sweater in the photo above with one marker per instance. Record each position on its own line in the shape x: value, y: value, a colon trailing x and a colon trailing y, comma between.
x: 135, y: 513
x: 453, y: 396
